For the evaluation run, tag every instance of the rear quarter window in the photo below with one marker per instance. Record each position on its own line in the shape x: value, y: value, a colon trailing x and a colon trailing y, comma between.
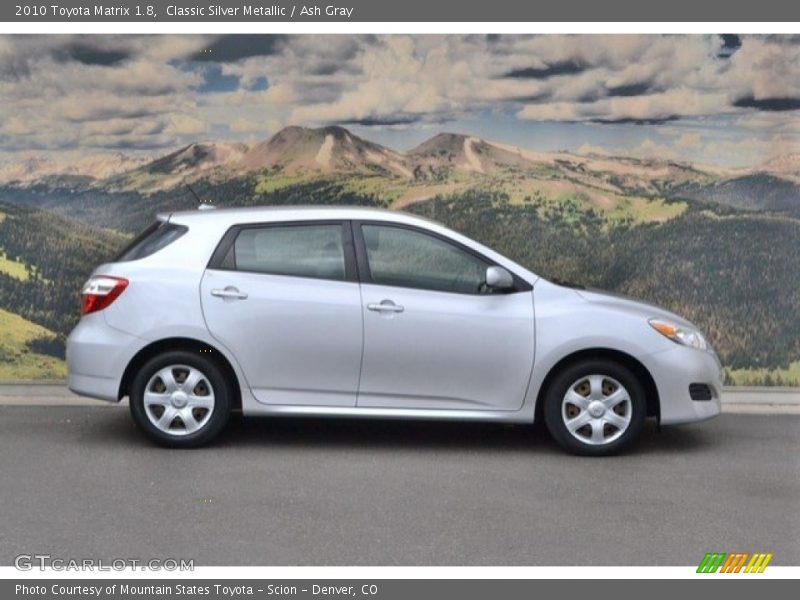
x: 156, y: 237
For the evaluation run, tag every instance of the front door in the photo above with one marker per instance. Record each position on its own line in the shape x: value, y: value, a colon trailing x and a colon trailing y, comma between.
x: 435, y: 337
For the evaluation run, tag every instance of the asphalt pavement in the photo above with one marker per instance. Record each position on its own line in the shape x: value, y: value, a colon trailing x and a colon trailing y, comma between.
x: 81, y: 482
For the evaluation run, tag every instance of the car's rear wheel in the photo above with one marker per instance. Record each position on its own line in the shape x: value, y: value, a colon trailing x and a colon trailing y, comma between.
x: 595, y: 407
x: 180, y: 399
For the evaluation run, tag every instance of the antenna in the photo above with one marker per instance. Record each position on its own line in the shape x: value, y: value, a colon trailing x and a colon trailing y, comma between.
x: 193, y: 194
x: 202, y: 205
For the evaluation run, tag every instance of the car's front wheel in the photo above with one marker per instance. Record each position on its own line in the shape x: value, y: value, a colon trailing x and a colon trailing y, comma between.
x: 595, y: 407
x: 180, y: 399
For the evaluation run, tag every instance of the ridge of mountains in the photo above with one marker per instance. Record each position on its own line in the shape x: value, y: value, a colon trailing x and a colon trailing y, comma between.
x: 334, y: 151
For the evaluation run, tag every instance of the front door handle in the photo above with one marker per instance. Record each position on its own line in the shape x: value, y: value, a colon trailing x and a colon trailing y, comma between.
x: 229, y: 293
x: 386, y: 306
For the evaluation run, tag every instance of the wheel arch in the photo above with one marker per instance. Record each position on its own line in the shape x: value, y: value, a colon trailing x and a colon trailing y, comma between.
x: 634, y: 365
x: 186, y: 344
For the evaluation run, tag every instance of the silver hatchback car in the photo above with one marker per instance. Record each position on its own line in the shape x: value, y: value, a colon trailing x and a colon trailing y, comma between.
x: 353, y: 312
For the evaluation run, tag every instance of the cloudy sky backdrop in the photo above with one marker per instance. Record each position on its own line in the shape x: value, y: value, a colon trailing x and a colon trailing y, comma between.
x: 728, y: 100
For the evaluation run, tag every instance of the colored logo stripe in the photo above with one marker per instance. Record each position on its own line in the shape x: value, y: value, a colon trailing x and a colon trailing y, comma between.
x: 711, y: 562
x: 734, y: 562
x: 758, y: 563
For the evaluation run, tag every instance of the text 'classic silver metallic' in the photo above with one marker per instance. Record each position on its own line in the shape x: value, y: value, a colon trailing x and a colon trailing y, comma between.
x: 352, y: 312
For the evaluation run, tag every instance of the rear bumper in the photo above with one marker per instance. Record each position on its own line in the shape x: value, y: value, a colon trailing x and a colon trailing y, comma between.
x: 97, y: 356
x: 674, y: 370
x: 100, y: 388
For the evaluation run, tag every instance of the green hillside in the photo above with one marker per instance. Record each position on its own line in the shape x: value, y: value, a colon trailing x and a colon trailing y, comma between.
x: 790, y: 376
x: 732, y: 272
x: 59, y: 254
x: 17, y: 359
x: 12, y: 268
x: 550, y: 188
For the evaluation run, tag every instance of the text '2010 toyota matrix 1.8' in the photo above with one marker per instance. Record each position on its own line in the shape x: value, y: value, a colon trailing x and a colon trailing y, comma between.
x: 364, y: 313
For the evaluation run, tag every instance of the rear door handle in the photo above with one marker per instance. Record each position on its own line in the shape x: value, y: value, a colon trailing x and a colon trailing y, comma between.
x: 229, y: 293
x: 386, y: 306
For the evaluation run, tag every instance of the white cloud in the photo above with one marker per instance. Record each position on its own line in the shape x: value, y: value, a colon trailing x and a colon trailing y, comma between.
x: 139, y: 92
x: 182, y: 124
x: 750, y: 150
x: 689, y: 140
x: 764, y: 69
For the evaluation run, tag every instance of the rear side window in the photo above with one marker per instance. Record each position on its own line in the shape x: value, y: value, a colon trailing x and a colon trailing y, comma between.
x: 157, y: 236
x: 296, y: 250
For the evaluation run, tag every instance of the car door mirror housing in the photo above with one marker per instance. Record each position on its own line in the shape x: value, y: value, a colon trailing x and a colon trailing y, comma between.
x: 499, y: 278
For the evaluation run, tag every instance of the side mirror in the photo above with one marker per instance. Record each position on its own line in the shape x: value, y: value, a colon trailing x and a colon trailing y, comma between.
x: 498, y: 278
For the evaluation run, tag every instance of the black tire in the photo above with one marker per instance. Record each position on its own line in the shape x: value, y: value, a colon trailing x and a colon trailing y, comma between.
x: 222, y: 391
x: 559, y: 387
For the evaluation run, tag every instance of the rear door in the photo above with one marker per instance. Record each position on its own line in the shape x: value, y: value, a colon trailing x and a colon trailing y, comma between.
x: 435, y: 337
x: 284, y: 299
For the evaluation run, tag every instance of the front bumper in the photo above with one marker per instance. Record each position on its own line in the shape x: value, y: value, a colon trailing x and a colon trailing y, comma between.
x: 674, y: 370
x: 97, y: 356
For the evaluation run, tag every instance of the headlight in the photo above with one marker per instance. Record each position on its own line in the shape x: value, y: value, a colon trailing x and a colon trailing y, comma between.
x: 686, y: 336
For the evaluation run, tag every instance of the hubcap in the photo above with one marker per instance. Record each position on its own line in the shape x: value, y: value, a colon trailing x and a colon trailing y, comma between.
x: 596, y: 409
x: 179, y: 400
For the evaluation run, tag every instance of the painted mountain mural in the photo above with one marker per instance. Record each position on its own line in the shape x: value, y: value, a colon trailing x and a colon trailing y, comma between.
x: 718, y: 245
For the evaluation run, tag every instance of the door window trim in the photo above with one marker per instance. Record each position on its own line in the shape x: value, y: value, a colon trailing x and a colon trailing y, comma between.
x: 365, y: 274
x: 229, y: 238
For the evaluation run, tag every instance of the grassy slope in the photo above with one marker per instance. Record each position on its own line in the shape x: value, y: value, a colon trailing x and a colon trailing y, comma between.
x: 12, y: 267
x: 547, y: 189
x: 789, y: 376
x: 17, y: 361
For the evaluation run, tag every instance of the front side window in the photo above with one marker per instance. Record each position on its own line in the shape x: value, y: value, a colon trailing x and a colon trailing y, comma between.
x: 297, y: 250
x: 408, y: 258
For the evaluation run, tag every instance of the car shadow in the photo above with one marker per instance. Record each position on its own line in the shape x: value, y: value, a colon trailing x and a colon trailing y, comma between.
x: 399, y: 434
x: 384, y: 433
x: 344, y: 433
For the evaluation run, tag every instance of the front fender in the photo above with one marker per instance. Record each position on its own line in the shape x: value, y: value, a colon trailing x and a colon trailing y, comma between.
x: 567, y: 323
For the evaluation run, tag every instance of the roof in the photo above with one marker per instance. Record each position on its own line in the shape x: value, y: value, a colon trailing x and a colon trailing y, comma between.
x: 230, y: 216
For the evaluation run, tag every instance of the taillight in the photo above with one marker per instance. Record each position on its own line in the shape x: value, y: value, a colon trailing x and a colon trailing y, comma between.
x: 100, y: 291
